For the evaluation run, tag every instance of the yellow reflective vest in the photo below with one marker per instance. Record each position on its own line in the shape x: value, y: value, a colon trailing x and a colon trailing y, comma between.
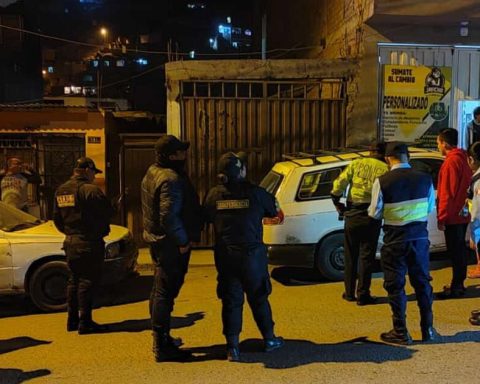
x: 360, y: 175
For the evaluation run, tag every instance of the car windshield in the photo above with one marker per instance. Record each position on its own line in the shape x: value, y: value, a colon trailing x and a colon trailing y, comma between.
x: 13, y: 219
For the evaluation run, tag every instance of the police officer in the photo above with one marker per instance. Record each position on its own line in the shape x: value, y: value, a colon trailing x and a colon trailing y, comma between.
x: 172, y: 220
x: 236, y: 207
x: 404, y: 197
x: 82, y: 212
x: 361, y: 231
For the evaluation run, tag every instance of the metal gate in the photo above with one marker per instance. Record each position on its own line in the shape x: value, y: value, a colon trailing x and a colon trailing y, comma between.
x: 263, y: 118
x: 56, y: 157
x: 136, y: 155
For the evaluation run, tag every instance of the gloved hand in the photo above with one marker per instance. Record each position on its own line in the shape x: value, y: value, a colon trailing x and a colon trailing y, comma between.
x: 341, y: 208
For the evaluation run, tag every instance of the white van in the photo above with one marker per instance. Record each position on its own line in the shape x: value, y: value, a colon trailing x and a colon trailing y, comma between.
x: 311, y: 233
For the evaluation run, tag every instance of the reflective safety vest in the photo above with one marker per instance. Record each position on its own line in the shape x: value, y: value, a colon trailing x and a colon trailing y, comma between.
x: 405, y: 194
x: 360, y: 174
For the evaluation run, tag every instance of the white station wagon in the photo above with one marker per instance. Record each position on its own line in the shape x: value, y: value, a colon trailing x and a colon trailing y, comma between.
x: 32, y: 260
x: 311, y: 234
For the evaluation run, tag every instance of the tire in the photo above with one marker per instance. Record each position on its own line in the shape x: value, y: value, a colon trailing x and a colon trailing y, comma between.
x: 48, y: 286
x: 329, y: 257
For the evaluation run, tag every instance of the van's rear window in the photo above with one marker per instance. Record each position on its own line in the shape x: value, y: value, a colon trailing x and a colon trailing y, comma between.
x: 271, y: 182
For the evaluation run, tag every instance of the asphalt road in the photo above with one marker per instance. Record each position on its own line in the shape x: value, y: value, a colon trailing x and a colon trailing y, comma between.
x: 327, y: 339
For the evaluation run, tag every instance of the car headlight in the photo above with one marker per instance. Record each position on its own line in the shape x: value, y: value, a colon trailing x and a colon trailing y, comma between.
x: 112, y: 251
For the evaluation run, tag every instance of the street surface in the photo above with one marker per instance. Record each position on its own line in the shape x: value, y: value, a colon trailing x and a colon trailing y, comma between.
x: 328, y: 340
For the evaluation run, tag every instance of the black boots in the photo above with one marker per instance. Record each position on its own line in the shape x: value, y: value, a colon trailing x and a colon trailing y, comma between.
x: 72, y: 321
x: 394, y: 336
x: 399, y: 333
x: 165, y: 348
x: 269, y: 345
x: 430, y: 335
x: 87, y: 326
x: 366, y: 300
x: 90, y: 326
x: 233, y: 353
x: 273, y: 343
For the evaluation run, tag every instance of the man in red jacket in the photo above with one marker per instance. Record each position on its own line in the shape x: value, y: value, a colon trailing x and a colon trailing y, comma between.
x: 453, y: 181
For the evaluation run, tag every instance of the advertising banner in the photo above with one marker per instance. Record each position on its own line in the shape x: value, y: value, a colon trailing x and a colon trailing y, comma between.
x: 416, y: 103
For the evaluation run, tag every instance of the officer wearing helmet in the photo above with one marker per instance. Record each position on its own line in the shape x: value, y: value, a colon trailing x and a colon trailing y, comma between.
x: 236, y: 208
x: 82, y: 212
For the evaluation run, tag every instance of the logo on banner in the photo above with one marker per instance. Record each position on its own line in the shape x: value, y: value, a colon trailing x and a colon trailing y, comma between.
x: 435, y: 82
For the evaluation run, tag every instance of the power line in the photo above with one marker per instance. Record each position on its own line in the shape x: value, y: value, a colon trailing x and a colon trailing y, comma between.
x: 51, y: 37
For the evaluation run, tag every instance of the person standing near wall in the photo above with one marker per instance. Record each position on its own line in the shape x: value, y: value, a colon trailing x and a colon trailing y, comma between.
x: 82, y: 212
x: 474, y: 198
x: 14, y: 183
x: 473, y: 127
x: 452, y: 217
x: 172, y: 220
x: 236, y: 208
x: 361, y: 231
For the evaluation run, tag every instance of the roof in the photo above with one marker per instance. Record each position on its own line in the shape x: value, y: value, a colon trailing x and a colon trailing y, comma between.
x: 342, y: 154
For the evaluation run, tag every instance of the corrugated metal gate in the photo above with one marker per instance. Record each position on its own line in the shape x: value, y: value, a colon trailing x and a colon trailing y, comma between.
x: 263, y: 118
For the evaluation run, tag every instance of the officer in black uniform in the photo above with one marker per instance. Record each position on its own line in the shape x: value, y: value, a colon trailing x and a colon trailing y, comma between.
x: 82, y: 212
x: 172, y: 221
x: 236, y: 207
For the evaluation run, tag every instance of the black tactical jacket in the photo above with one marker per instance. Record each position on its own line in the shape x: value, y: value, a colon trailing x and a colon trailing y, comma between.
x: 81, y: 208
x: 237, y: 210
x: 170, y: 206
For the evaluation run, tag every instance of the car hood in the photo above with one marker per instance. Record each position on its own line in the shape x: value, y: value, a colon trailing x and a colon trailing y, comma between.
x: 48, y: 231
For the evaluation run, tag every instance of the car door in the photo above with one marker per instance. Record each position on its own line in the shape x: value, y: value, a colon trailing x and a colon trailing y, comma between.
x: 432, y: 166
x: 6, y: 270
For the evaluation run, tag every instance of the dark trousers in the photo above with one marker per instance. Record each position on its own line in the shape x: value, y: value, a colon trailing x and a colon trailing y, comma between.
x: 455, y: 241
x: 361, y: 239
x: 85, y: 261
x: 398, y: 259
x: 243, y: 270
x: 170, y: 269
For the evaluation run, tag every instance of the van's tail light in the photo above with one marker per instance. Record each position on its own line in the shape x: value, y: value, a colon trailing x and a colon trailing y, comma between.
x: 275, y: 220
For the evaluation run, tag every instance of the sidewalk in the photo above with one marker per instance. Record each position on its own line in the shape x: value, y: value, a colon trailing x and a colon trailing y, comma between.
x: 198, y: 257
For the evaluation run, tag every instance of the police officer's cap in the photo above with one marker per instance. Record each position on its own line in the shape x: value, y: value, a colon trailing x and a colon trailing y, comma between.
x: 86, y: 163
x: 169, y: 144
x: 394, y: 148
x: 231, y: 163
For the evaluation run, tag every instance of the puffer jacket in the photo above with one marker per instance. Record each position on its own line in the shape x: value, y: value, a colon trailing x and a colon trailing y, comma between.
x: 170, y: 205
x: 453, y: 182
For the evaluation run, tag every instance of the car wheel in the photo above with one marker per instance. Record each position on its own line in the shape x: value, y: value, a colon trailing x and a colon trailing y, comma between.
x: 48, y: 286
x: 330, y: 258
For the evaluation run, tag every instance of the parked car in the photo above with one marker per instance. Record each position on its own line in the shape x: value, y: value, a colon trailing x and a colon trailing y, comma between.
x: 311, y: 233
x: 32, y: 260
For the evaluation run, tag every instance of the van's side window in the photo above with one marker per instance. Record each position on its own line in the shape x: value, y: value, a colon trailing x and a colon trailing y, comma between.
x: 317, y: 185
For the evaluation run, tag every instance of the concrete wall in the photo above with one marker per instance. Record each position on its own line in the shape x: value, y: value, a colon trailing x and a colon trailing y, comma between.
x: 351, y: 29
x: 60, y: 121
